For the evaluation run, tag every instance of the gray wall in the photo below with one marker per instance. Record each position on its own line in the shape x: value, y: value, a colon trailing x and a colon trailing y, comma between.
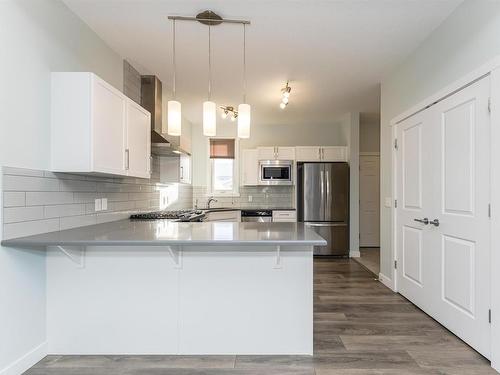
x: 466, y: 40
x: 36, y: 37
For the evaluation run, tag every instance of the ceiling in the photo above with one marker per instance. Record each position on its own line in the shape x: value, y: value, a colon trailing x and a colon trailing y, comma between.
x: 334, y: 53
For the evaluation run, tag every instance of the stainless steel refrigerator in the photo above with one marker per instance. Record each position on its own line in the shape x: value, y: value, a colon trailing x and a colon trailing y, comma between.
x: 323, y: 204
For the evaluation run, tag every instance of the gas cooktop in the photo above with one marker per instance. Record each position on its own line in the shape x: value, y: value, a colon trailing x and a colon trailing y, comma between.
x: 178, y: 215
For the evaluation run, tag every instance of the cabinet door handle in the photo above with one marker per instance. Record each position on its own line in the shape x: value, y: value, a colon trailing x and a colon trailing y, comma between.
x: 434, y: 222
x: 423, y: 221
x: 182, y: 173
x: 127, y: 159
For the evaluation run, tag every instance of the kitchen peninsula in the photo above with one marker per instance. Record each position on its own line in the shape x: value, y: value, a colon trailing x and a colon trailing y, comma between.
x: 162, y: 287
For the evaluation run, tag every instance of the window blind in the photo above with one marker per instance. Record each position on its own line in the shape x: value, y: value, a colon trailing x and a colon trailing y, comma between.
x: 221, y: 148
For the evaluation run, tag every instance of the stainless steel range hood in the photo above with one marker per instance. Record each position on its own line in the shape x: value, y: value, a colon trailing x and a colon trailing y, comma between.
x: 151, y: 99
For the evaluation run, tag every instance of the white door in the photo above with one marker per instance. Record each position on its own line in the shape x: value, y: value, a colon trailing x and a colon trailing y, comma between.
x: 443, y: 175
x: 308, y: 153
x: 414, y: 202
x: 461, y: 242
x: 369, y: 201
x: 108, y: 128
x: 334, y: 153
x: 138, y: 141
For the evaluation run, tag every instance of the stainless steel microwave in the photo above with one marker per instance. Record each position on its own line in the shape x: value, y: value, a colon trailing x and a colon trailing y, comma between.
x: 275, y: 172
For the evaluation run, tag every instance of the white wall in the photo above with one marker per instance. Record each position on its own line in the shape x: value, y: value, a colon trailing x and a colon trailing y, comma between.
x: 466, y: 40
x: 36, y: 37
x: 262, y: 135
x: 369, y: 132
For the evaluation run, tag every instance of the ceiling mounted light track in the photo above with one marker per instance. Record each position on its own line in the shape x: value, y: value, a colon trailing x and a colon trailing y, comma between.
x: 210, y: 19
x: 229, y: 110
x: 285, y: 96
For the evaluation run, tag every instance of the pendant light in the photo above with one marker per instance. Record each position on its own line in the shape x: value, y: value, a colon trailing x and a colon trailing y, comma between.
x: 209, y: 107
x: 244, y: 108
x: 173, y: 106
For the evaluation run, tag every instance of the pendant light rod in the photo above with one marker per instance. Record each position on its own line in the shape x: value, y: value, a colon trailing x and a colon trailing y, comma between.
x: 244, y: 63
x: 173, y: 60
x: 208, y: 20
x: 209, y: 63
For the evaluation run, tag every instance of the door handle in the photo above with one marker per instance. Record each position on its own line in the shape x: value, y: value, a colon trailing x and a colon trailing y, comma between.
x: 423, y: 221
x: 322, y: 182
x: 434, y: 222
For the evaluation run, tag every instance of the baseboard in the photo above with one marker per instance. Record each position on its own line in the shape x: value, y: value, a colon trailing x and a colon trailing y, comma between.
x: 26, y: 361
x: 354, y: 254
x: 386, y: 281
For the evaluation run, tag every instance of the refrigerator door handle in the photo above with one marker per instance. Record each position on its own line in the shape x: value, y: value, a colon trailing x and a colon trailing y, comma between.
x: 322, y: 182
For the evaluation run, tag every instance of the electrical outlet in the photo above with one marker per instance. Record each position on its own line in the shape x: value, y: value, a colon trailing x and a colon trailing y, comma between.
x: 104, y: 204
x: 98, y: 205
x: 250, y: 198
x: 388, y: 202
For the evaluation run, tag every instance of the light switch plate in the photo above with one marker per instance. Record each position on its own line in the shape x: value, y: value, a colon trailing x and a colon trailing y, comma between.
x: 98, y: 205
x: 388, y: 202
x: 250, y: 198
x: 104, y: 204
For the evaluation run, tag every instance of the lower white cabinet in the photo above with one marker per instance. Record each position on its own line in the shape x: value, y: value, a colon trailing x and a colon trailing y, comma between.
x: 284, y: 216
x: 96, y: 129
x: 223, y: 216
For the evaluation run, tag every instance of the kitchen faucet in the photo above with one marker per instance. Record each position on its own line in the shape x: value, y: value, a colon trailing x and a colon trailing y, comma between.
x: 210, y: 200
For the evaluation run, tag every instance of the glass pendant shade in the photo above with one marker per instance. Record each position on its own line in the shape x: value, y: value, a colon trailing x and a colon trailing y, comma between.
x: 209, y: 119
x: 174, y: 118
x: 244, y: 120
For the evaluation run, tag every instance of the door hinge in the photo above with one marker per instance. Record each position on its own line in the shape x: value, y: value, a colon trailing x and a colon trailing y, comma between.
x: 489, y: 316
x: 489, y: 210
x: 489, y: 105
x: 395, y: 143
x: 396, y: 264
x: 395, y: 203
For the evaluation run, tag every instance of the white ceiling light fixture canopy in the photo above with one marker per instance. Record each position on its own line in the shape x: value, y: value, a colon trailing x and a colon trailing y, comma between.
x: 174, y: 117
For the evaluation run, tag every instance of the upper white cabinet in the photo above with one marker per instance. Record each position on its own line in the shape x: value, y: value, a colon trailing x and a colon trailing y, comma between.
x: 138, y: 136
x: 321, y: 153
x: 96, y: 129
x: 276, y: 153
x: 249, y: 167
x: 175, y: 169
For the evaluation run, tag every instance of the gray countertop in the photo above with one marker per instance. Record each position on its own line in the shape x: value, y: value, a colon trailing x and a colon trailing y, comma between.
x: 164, y: 232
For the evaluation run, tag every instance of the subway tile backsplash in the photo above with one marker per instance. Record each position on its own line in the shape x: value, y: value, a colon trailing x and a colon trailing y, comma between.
x: 261, y: 197
x: 40, y: 201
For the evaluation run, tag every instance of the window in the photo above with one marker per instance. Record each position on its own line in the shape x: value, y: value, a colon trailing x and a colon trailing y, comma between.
x: 223, y: 171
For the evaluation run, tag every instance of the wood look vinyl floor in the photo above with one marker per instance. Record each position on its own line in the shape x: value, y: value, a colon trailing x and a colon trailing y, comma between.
x: 360, y: 328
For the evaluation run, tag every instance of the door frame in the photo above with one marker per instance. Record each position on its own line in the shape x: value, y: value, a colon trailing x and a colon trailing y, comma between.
x: 377, y: 155
x: 491, y: 68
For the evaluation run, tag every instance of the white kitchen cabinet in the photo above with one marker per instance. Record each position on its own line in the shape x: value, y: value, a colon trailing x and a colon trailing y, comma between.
x: 185, y: 169
x: 234, y: 216
x: 321, y: 153
x: 284, y: 216
x: 276, y: 153
x: 249, y: 167
x: 138, y: 135
x: 334, y: 153
x: 96, y: 129
x: 175, y: 169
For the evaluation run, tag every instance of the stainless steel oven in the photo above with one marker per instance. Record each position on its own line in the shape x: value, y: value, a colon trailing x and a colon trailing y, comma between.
x: 275, y: 172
